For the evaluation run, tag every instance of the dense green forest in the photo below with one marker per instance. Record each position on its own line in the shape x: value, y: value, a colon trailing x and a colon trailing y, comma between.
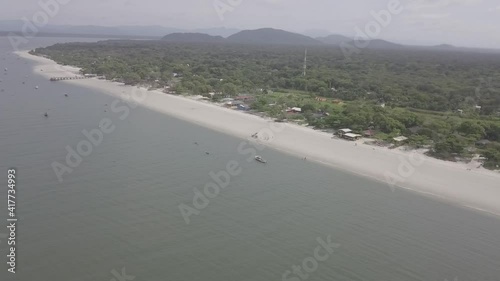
x: 445, y: 100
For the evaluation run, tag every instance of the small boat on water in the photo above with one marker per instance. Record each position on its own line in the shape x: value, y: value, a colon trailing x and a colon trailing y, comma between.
x: 260, y: 159
x: 36, y: 88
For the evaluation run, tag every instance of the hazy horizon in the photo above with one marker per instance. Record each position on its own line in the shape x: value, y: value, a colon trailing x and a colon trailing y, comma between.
x: 467, y: 23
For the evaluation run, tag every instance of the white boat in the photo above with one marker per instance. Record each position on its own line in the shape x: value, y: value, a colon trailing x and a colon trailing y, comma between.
x: 260, y: 159
x: 36, y: 87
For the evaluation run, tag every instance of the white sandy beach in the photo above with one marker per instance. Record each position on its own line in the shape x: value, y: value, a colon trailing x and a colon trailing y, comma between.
x: 478, y: 188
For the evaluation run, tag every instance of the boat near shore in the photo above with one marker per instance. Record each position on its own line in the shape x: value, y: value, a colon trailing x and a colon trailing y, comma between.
x: 260, y: 159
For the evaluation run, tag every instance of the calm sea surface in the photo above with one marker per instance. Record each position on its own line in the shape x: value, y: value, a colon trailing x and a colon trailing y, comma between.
x: 119, y: 209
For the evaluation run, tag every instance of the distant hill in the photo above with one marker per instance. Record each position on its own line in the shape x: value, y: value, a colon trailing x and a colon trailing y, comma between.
x: 376, y: 44
x: 192, y: 37
x: 445, y: 46
x: 334, y: 39
x: 218, y: 31
x: 272, y: 36
x: 315, y: 33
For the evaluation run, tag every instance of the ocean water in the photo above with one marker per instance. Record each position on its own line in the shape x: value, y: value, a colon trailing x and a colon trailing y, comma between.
x: 118, y: 210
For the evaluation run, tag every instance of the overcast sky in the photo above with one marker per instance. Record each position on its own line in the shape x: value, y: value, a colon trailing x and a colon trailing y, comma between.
x: 472, y: 23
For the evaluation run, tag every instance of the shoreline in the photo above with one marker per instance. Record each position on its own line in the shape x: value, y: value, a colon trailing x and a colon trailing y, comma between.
x: 478, y: 189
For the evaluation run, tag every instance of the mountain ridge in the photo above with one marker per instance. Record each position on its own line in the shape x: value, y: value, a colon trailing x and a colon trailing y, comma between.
x: 159, y: 32
x: 271, y: 36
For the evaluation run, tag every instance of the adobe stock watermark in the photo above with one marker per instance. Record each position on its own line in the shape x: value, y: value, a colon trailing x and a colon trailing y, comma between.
x: 223, y: 6
x: 222, y: 179
x: 121, y: 276
x: 31, y: 26
x: 372, y: 29
x: 93, y: 138
x: 310, y: 264
x: 407, y: 167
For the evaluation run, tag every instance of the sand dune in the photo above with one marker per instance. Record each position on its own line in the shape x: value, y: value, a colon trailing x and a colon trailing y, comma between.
x: 452, y: 182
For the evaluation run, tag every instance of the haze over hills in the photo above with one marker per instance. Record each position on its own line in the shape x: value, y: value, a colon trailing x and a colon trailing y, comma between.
x: 376, y: 44
x: 222, y: 34
x: 314, y: 33
x: 270, y: 36
x: 265, y: 36
x: 334, y: 39
x: 445, y: 46
x: 116, y: 31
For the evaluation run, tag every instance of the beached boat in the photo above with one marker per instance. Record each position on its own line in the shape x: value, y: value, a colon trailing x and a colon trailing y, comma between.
x: 260, y: 159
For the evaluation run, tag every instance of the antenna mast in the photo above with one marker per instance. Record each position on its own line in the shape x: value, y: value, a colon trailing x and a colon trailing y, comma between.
x: 305, y: 63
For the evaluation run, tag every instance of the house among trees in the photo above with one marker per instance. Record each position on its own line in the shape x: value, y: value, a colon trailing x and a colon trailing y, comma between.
x: 342, y: 132
x: 400, y: 139
x: 351, y: 136
x: 294, y: 110
x: 348, y: 134
x: 226, y: 100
